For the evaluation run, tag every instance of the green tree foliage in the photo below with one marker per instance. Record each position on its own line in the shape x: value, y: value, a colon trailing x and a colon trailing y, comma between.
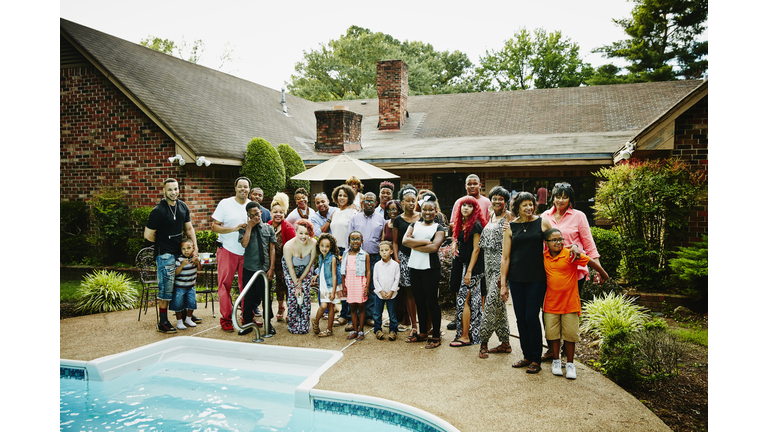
x: 190, y: 52
x: 538, y: 60
x: 73, y: 220
x: 293, y: 165
x: 662, y: 34
x: 609, y: 74
x: 345, y: 68
x: 691, y: 267
x: 649, y: 203
x: 263, y: 166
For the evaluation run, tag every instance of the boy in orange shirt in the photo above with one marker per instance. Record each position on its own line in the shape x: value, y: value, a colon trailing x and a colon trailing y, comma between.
x: 562, y: 305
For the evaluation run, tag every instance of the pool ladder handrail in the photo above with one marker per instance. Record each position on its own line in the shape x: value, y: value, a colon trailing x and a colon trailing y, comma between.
x: 236, y: 325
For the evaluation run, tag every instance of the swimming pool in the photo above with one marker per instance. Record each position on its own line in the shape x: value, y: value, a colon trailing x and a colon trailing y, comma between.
x: 190, y: 383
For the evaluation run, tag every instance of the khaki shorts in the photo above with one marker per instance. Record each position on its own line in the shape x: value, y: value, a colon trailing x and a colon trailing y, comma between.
x: 565, y: 326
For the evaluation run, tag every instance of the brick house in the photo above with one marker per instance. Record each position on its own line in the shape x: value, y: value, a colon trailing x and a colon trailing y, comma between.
x: 126, y: 109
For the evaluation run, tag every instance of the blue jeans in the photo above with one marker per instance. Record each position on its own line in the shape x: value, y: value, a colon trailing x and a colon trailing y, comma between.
x: 166, y: 271
x: 374, y: 258
x: 527, y: 298
x: 183, y: 298
x: 378, y: 309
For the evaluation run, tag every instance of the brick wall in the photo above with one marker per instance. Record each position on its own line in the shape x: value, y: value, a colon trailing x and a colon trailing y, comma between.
x: 106, y: 140
x: 392, y: 90
x: 691, y: 145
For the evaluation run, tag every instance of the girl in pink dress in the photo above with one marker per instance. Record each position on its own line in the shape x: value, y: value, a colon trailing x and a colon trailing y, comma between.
x: 355, y: 275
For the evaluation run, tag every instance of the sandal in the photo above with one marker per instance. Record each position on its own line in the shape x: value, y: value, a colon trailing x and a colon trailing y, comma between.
x: 521, y: 363
x: 533, y: 368
x: 315, y: 328
x: 416, y: 338
x: 549, y: 355
x: 360, y: 335
x: 432, y: 343
x: 325, y: 333
x: 280, y: 313
x: 457, y: 343
x: 484, y: 351
x: 352, y: 335
x: 504, y: 348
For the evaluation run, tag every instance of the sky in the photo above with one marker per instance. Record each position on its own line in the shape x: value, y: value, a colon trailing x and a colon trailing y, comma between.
x: 268, y: 38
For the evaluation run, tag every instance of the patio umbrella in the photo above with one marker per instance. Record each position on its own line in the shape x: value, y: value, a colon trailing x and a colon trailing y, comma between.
x: 342, y: 167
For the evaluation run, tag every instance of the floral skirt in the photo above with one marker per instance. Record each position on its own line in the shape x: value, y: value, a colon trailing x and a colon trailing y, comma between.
x: 297, y: 315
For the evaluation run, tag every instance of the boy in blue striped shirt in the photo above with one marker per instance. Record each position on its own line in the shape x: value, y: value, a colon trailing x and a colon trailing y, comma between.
x: 184, y: 293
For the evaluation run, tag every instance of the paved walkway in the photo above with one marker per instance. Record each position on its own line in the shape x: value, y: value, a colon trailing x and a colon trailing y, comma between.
x: 472, y: 394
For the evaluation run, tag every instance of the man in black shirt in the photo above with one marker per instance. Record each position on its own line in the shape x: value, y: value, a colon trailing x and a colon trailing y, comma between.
x: 165, y: 226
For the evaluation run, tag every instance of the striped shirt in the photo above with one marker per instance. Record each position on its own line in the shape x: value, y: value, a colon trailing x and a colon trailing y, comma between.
x: 185, y: 279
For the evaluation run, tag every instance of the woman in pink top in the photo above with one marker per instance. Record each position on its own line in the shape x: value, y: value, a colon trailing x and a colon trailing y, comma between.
x: 574, y: 226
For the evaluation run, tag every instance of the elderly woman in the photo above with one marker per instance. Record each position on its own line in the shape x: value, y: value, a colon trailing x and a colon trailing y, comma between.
x: 574, y: 227
x: 495, y: 317
x: 302, y: 210
x: 283, y: 233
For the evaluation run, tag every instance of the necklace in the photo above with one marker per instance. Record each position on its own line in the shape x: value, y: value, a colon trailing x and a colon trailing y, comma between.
x: 302, y: 214
x: 173, y: 210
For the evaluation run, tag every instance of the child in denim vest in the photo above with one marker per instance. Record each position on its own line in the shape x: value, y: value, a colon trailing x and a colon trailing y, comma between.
x: 328, y: 282
x: 355, y: 276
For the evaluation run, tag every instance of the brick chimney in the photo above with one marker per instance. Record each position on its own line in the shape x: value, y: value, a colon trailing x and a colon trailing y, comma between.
x: 338, y: 130
x: 392, y: 88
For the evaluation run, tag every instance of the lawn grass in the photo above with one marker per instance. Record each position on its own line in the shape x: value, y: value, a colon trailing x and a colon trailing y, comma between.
x: 68, y: 290
x: 698, y: 336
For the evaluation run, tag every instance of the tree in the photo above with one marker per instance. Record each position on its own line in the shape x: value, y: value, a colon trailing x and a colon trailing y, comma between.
x: 345, y: 68
x: 540, y: 60
x: 663, y: 36
x: 293, y: 165
x: 183, y: 50
x: 263, y: 166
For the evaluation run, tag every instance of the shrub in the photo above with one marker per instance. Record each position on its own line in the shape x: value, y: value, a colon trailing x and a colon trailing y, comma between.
x: 73, y: 221
x: 691, y: 269
x: 113, y: 220
x: 609, y: 313
x: 293, y: 165
x: 648, y: 202
x: 104, y: 291
x: 592, y: 290
x: 657, y: 352
x: 140, y: 216
x: 263, y: 166
x: 617, y: 358
x: 132, y: 247
x: 608, y: 244
x: 206, y: 241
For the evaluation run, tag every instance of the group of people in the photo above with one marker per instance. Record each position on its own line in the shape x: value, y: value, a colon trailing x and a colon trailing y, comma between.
x: 374, y: 251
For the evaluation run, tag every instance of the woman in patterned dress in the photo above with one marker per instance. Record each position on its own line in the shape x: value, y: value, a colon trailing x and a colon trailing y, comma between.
x: 495, y: 317
x: 467, y: 226
x: 407, y: 198
x: 298, y: 256
x: 283, y: 233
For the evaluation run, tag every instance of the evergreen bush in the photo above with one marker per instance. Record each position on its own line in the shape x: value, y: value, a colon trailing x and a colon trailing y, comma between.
x: 114, y: 223
x: 73, y: 221
x: 608, y: 245
x: 617, y: 358
x: 263, y: 166
x: 692, y: 269
x: 293, y: 165
x: 206, y: 241
x: 648, y: 202
x: 592, y: 290
x: 104, y: 291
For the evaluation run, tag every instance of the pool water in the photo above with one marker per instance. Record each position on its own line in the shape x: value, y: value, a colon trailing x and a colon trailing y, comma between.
x: 173, y: 395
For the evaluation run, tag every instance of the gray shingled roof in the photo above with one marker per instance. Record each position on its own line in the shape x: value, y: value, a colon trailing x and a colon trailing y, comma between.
x: 213, y: 113
x: 216, y: 114
x: 576, y: 123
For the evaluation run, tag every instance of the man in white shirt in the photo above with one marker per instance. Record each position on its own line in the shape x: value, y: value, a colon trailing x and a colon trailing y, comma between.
x: 228, y: 218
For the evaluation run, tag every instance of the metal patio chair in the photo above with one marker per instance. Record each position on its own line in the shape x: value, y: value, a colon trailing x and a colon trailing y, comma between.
x: 145, y: 262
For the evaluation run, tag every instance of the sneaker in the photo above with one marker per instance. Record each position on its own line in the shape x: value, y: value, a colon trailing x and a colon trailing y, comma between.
x: 180, y: 325
x: 570, y: 371
x: 189, y: 323
x: 196, y: 319
x: 227, y: 327
x: 557, y: 367
x: 165, y: 327
x: 245, y: 331
x: 272, y: 330
x: 452, y: 325
x: 256, y: 312
x: 392, y: 336
x: 380, y: 335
